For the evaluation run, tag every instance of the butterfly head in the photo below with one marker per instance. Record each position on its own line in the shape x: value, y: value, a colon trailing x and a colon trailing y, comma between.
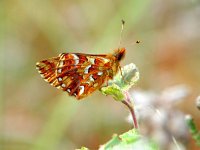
x: 120, y: 53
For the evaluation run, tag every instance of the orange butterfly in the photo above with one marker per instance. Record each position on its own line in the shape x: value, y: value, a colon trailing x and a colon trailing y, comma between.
x: 80, y: 74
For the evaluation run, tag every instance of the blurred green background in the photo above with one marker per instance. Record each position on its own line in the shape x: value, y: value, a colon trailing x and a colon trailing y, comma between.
x: 35, y: 115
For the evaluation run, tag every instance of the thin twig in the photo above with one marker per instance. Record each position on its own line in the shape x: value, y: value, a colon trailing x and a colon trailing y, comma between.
x: 128, y: 103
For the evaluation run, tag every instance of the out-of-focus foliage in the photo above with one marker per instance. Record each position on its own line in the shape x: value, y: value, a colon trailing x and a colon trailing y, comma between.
x: 159, y: 118
x: 34, y: 115
x: 193, y: 129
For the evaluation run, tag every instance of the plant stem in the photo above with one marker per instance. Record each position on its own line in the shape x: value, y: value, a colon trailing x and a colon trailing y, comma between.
x: 130, y: 106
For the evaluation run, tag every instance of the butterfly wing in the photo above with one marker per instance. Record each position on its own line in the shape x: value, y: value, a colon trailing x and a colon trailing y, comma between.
x: 81, y: 74
x: 47, y: 69
x: 78, y: 74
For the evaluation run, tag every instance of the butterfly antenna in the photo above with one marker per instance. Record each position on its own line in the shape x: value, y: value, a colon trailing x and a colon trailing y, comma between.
x: 120, y: 39
x: 133, y: 43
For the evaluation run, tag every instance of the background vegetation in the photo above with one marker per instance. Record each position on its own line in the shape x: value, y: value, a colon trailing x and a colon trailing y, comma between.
x: 35, y: 115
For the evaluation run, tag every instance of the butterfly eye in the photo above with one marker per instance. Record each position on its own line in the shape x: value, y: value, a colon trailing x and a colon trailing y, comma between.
x: 120, y: 53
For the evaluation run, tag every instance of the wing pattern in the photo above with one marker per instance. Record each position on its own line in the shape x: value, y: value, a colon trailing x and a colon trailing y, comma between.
x: 78, y: 74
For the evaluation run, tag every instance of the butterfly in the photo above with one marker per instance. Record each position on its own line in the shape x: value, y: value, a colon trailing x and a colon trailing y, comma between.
x: 80, y: 74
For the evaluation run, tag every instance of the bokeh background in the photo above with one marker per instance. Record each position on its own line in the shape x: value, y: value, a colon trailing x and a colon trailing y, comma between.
x: 35, y: 115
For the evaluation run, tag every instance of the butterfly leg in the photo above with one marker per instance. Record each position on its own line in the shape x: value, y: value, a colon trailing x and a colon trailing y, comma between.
x: 123, y: 78
x: 107, y: 83
x: 120, y: 69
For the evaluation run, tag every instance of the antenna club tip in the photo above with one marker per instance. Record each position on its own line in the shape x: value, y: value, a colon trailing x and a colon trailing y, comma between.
x: 123, y: 22
x: 138, y: 41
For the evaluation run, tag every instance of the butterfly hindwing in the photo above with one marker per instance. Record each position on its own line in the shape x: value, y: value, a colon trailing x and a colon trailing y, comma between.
x: 47, y: 69
x: 81, y: 75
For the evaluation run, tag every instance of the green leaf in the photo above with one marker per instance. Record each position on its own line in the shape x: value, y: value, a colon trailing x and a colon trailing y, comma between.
x: 129, y: 140
x: 114, y: 91
x: 130, y: 136
x: 114, y: 141
x: 122, y: 82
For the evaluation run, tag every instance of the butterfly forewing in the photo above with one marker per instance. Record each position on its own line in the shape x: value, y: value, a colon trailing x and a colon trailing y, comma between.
x: 78, y: 74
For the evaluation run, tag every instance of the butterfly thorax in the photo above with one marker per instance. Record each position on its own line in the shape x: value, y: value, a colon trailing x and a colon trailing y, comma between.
x: 118, y: 56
